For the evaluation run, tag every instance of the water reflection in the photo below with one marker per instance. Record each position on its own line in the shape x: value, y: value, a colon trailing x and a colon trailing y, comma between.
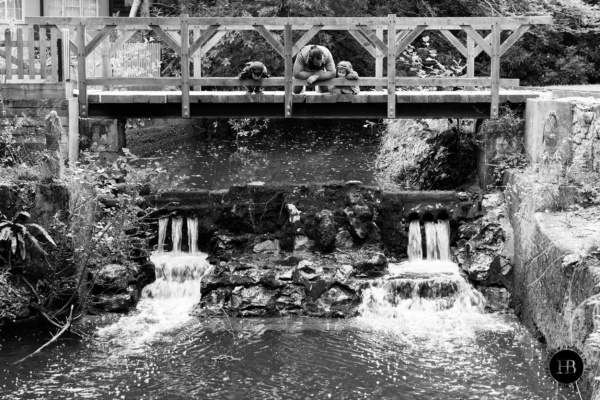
x: 271, y: 157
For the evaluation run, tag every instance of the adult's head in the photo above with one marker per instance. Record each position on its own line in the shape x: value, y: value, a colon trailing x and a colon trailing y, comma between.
x: 316, y: 58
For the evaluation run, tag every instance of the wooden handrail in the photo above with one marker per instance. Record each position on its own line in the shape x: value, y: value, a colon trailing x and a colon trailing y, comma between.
x: 370, y: 32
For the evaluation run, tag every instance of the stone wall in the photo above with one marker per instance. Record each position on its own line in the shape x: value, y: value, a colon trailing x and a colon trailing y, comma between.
x: 24, y: 107
x: 320, y: 216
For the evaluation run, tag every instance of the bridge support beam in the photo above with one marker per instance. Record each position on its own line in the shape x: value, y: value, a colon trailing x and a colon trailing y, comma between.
x: 73, y: 141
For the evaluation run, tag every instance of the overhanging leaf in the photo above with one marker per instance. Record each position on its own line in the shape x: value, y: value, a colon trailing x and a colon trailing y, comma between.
x: 22, y: 249
x: 40, y: 233
x: 34, y: 242
x: 22, y: 217
x: 13, y: 245
x: 5, y: 233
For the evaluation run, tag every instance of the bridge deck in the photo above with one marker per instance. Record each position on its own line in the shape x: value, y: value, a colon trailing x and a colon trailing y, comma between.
x: 371, y: 104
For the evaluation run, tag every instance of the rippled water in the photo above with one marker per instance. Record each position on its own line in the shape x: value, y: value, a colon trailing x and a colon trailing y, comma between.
x: 288, y: 359
x: 401, y: 347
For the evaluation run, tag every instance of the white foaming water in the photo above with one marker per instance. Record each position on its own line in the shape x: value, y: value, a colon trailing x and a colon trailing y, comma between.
x: 162, y: 233
x: 415, y: 249
x: 165, y: 304
x: 426, y: 300
x: 442, y: 229
x: 176, y: 233
x: 192, y: 228
x: 431, y: 241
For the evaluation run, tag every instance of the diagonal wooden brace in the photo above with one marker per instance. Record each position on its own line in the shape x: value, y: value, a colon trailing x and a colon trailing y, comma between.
x: 212, y: 41
x: 306, y: 38
x: 270, y: 38
x: 373, y: 39
x: 198, y: 43
x: 409, y: 38
x: 363, y: 42
x: 455, y: 42
x: 120, y: 42
x: 107, y: 30
x: 485, y: 46
x: 512, y: 39
x: 166, y: 38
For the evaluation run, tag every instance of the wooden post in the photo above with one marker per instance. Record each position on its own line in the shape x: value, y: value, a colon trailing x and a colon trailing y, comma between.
x: 20, y: 60
x: 43, y: 55
x: 66, y: 55
x: 73, y: 130
x: 8, y: 62
x: 495, y: 73
x: 470, y: 60
x: 106, y: 68
x: 185, y: 67
x: 391, y: 66
x: 31, y: 51
x: 289, y: 70
x: 54, y: 52
x: 379, y: 58
x: 197, y: 58
x: 81, y: 74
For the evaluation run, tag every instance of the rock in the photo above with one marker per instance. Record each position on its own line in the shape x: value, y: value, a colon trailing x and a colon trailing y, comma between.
x: 376, y: 265
x: 479, y: 267
x: 337, y: 302
x: 119, y: 302
x: 286, y: 276
x: 113, y: 277
x: 360, y: 218
x: 225, y: 279
x: 343, y: 240
x: 292, y: 296
x: 497, y: 299
x: 506, y: 267
x: 306, y: 271
x: 316, y: 289
x: 270, y: 280
x: 302, y: 244
x: 571, y: 260
x: 268, y: 246
x: 251, y: 297
x: 326, y: 231
x: 293, y: 213
x: 343, y: 273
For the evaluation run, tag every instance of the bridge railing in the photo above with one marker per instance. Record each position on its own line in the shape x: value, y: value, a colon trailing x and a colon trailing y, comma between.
x: 382, y: 37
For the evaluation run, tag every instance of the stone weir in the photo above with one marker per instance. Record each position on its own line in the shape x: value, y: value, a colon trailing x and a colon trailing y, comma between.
x: 256, y: 218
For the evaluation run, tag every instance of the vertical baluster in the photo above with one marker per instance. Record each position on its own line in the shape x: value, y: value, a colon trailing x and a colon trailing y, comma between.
x: 20, y: 60
x: 8, y: 57
x: 66, y: 55
x: 43, y: 55
x: 197, y: 58
x: 288, y: 74
x: 379, y: 59
x: 391, y: 66
x: 495, y: 73
x: 54, y: 52
x: 470, y: 60
x: 81, y: 71
x: 31, y: 51
x: 185, y: 67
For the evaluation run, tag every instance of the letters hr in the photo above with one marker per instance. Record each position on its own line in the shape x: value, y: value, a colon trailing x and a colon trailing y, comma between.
x: 569, y: 365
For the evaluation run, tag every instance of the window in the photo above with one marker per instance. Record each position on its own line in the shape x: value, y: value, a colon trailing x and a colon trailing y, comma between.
x: 11, y: 10
x: 71, y: 8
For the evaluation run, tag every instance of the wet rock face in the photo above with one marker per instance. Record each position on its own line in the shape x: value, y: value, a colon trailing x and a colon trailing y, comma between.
x: 326, y: 231
x: 116, y: 287
x: 319, y: 286
x: 485, y: 246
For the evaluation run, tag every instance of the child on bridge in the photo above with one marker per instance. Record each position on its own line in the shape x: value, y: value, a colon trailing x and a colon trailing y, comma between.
x: 257, y: 71
x: 344, y: 70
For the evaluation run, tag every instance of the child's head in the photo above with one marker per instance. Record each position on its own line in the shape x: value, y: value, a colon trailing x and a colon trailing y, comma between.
x: 257, y: 71
x: 343, y: 68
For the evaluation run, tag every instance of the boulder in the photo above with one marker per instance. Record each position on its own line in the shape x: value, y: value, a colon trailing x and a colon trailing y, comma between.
x: 326, y: 231
x: 374, y: 266
x: 343, y: 240
x: 302, y: 244
x: 117, y: 302
x: 268, y: 246
x: 306, y: 271
x: 113, y: 278
x: 360, y: 218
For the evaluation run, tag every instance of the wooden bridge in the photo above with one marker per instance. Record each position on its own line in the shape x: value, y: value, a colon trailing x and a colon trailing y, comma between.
x: 191, y: 38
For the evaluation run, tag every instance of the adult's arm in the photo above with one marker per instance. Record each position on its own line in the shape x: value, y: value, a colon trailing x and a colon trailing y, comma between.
x: 299, y: 72
x: 329, y: 72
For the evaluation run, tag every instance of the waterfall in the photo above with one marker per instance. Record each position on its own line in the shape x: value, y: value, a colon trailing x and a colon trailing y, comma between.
x: 162, y: 233
x: 415, y: 250
x: 192, y: 228
x: 431, y: 241
x: 176, y: 227
x: 443, y: 239
x: 165, y: 304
